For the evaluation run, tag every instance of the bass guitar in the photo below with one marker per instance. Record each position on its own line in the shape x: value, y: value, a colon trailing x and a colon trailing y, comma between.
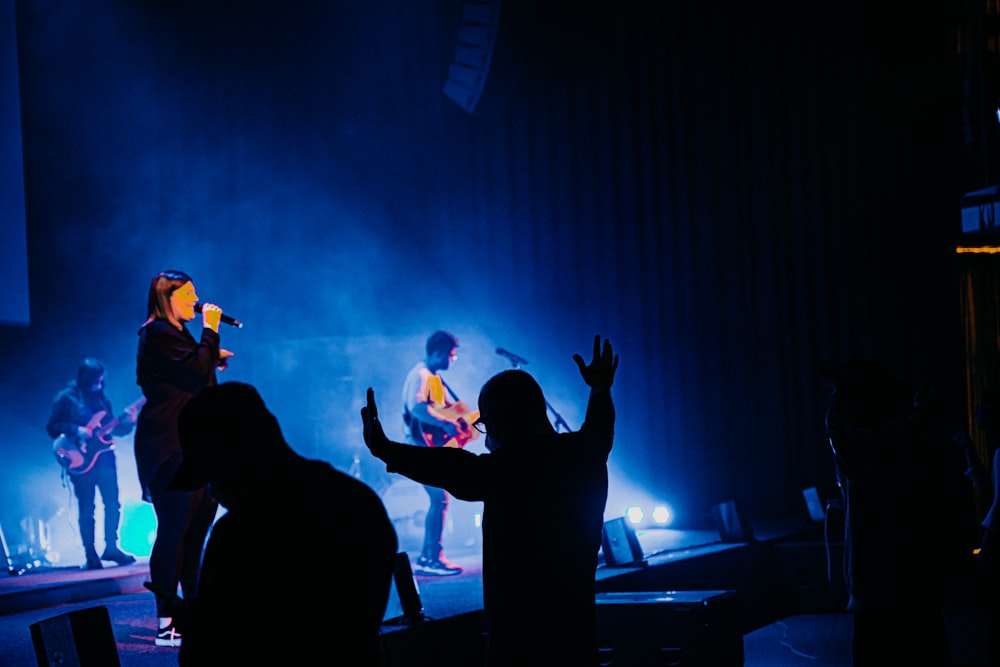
x: 77, y: 455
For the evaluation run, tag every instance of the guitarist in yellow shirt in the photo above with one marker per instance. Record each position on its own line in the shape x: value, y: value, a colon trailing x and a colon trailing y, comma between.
x: 83, y: 424
x: 435, y: 417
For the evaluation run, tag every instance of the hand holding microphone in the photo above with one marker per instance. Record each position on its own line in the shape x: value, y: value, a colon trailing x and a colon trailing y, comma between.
x: 211, y: 316
x: 210, y: 309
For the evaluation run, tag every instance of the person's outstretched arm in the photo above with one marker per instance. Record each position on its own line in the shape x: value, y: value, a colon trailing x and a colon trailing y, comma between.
x: 457, y: 470
x: 599, y: 375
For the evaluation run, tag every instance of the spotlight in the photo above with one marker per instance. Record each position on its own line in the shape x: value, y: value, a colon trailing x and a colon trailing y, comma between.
x: 635, y: 514
x: 662, y: 515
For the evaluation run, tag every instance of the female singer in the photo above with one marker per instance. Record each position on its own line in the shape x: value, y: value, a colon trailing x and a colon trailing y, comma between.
x: 171, y: 367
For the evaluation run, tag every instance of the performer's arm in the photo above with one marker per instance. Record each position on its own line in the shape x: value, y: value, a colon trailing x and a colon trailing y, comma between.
x: 61, y: 419
x: 187, y: 364
x: 127, y: 422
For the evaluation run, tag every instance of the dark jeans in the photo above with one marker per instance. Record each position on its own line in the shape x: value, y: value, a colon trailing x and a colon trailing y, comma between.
x: 434, y: 523
x: 102, y: 477
x: 183, y: 519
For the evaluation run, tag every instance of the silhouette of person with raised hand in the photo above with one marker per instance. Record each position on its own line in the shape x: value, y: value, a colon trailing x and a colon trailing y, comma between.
x: 901, y: 481
x: 299, y: 567
x: 535, y: 613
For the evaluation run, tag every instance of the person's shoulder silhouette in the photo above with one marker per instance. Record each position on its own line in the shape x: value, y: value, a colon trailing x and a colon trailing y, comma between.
x: 297, y: 533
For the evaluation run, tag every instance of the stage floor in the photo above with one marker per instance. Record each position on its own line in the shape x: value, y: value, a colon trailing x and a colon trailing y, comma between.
x: 798, y: 631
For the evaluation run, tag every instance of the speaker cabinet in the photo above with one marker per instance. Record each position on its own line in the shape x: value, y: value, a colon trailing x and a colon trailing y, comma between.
x: 670, y: 629
x: 733, y: 522
x: 81, y: 638
x: 620, y: 545
x: 477, y: 36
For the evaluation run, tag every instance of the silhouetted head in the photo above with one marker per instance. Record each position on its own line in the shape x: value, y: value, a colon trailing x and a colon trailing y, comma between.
x: 90, y: 376
x: 867, y: 392
x: 512, y: 406
x: 228, y: 438
x: 441, y: 349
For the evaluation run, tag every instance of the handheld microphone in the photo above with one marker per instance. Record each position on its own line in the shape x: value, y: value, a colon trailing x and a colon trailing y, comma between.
x: 225, y: 319
x: 513, y: 358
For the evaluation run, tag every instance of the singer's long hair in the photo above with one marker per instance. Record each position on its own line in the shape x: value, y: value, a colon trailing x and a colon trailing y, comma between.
x: 163, y: 285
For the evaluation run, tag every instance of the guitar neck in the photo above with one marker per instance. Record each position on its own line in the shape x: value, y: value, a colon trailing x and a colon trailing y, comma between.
x: 113, y: 424
x: 107, y: 428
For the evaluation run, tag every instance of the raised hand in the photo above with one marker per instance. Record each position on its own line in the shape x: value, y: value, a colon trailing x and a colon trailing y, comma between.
x: 374, y: 435
x: 600, y: 374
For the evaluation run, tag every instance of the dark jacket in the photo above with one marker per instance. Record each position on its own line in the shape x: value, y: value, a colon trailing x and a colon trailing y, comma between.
x: 171, y: 367
x: 72, y: 409
x: 543, y: 512
x: 299, y: 569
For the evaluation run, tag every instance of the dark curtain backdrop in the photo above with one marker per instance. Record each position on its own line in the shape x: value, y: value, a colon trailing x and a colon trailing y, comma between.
x: 733, y: 192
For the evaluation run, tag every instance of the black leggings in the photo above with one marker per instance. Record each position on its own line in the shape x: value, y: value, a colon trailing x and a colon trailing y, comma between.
x: 183, y: 519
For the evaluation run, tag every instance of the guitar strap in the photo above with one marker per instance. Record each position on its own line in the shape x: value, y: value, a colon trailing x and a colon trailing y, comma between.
x: 454, y: 396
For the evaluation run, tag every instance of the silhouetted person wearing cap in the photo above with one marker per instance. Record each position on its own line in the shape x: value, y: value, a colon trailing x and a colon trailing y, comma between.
x: 537, y: 613
x: 901, y: 482
x: 299, y: 567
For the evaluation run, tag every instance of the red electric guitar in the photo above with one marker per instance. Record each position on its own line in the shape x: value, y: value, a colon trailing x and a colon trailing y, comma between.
x: 78, y: 456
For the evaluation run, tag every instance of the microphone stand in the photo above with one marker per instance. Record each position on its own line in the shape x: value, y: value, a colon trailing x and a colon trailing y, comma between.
x: 558, y: 421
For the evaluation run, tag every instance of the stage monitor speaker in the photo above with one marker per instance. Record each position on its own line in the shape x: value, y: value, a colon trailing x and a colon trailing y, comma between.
x: 620, y: 544
x: 814, y: 505
x: 675, y: 628
x: 405, y: 606
x: 732, y: 522
x: 82, y: 638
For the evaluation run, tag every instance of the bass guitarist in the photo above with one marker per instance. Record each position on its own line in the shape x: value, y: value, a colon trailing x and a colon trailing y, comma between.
x: 86, y: 454
x: 434, y: 417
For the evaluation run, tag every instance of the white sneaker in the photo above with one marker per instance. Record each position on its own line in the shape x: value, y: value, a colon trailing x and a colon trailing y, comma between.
x: 168, y: 636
